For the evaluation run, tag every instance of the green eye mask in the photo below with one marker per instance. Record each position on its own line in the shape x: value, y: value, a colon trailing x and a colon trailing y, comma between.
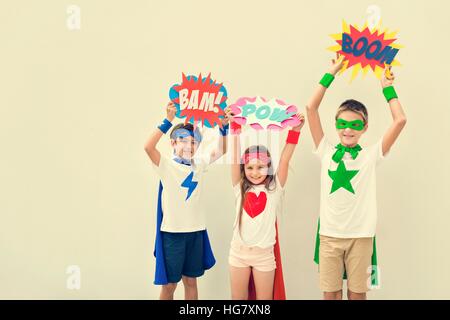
x: 355, y: 124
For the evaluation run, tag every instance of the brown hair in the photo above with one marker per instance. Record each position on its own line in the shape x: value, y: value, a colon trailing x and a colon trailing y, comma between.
x: 354, y: 106
x: 246, y: 184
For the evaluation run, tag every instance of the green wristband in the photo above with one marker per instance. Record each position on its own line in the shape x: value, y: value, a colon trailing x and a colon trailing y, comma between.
x: 389, y: 93
x: 327, y: 79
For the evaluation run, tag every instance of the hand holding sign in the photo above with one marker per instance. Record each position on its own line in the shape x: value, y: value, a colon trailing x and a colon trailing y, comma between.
x: 228, y: 115
x: 261, y: 113
x: 388, y: 78
x: 336, y: 64
x: 171, y: 110
x: 301, y: 120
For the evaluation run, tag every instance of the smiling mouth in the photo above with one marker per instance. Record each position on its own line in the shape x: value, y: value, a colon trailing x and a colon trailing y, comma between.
x: 348, y: 136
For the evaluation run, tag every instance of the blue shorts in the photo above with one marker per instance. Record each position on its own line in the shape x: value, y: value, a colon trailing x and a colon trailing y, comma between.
x: 183, y: 254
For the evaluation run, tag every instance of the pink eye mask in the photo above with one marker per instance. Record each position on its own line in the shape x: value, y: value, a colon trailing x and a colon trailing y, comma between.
x: 256, y: 155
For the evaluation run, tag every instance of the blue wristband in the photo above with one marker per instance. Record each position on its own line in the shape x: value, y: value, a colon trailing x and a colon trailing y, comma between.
x: 165, y: 126
x: 224, y: 130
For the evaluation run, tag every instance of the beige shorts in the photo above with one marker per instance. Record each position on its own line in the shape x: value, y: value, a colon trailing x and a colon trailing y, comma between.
x: 354, y: 254
x: 258, y: 258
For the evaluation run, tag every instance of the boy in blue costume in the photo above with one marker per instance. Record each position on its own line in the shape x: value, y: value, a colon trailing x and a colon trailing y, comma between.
x: 182, y: 247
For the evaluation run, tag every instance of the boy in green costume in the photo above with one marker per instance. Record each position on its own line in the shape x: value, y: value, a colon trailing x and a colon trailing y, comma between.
x: 348, y: 211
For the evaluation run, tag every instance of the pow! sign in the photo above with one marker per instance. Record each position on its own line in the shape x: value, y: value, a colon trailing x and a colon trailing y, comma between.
x: 261, y: 113
x: 366, y: 49
x: 199, y: 100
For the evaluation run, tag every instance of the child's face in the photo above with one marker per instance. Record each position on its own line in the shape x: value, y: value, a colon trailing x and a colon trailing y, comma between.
x: 185, y: 147
x: 350, y: 137
x: 256, y: 171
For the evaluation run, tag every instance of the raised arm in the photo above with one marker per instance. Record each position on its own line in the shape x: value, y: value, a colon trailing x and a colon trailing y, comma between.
x: 222, y: 147
x: 288, y: 150
x: 398, y: 115
x: 312, y: 108
x: 235, y: 130
x: 150, y: 145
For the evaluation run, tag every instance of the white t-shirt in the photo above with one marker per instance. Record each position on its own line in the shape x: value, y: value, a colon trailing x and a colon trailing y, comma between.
x: 348, y: 207
x: 258, y: 223
x: 180, y: 212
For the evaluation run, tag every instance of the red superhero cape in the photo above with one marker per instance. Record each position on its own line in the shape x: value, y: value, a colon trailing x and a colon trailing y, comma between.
x: 278, y: 282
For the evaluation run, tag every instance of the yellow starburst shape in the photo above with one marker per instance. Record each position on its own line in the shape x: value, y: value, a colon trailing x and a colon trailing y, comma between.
x: 366, y: 48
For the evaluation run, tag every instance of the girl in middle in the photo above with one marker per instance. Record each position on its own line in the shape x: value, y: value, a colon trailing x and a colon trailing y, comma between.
x: 255, y: 265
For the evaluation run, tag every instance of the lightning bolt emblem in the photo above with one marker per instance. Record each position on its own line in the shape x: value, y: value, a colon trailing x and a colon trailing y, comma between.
x: 189, y: 184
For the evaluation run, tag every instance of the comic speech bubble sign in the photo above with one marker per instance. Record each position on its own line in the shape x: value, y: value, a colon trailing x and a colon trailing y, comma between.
x: 199, y: 100
x: 260, y: 113
x: 366, y: 49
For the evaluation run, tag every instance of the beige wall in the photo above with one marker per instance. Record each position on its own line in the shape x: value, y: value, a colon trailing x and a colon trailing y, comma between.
x: 77, y: 106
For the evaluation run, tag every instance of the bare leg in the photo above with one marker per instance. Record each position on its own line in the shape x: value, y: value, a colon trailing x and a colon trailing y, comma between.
x: 332, y: 295
x: 190, y: 288
x: 167, y: 291
x: 264, y: 284
x: 356, y: 296
x: 239, y: 278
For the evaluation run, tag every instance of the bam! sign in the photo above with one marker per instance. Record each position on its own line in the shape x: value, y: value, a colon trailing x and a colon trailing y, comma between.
x: 199, y: 100
x: 260, y: 113
x: 366, y: 49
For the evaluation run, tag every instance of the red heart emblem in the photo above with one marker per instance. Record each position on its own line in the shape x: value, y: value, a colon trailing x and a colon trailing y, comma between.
x: 253, y: 204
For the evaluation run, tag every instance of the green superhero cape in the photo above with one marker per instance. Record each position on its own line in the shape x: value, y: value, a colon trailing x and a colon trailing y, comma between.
x: 375, y: 274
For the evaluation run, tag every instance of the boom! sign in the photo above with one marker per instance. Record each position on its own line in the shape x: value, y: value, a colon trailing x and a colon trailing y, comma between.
x: 261, y: 113
x: 199, y: 100
x: 366, y: 49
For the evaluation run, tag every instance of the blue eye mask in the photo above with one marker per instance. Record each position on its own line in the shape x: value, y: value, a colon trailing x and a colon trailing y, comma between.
x: 183, y: 133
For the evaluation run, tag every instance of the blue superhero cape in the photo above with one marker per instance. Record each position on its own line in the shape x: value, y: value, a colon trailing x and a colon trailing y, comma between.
x: 160, y: 272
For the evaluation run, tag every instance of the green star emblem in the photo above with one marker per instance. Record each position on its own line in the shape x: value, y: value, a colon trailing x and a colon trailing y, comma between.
x: 341, y: 178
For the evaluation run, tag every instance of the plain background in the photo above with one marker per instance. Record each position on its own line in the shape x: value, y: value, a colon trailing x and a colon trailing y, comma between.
x: 76, y: 107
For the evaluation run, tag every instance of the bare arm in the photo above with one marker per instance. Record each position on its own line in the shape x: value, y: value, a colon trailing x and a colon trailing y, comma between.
x: 150, y: 145
x: 312, y: 108
x: 222, y: 147
x: 398, y: 117
x: 236, y: 156
x: 286, y: 154
x: 312, y: 112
